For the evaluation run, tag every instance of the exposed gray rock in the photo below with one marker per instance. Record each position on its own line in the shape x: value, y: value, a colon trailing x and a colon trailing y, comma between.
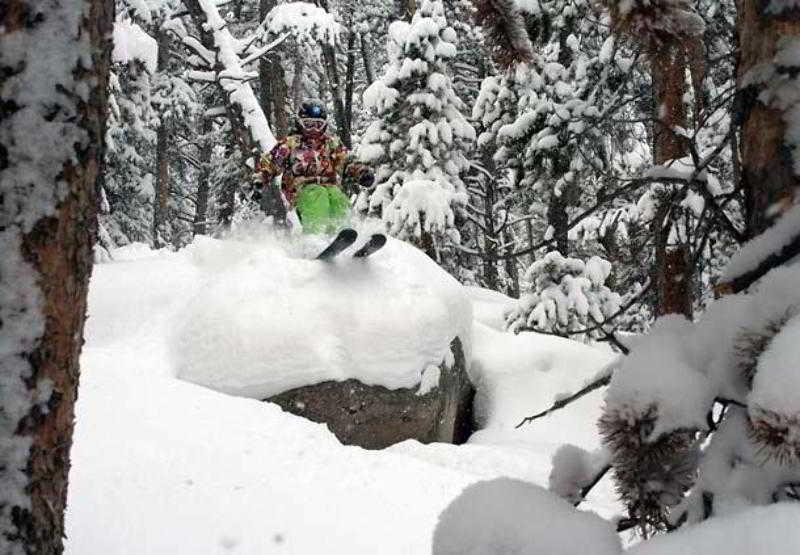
x: 375, y: 417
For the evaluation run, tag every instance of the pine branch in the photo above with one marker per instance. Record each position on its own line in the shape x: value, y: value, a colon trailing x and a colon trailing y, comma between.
x: 774, y: 260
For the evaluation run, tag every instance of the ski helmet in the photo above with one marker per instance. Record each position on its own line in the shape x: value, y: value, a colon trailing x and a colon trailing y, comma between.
x: 312, y: 116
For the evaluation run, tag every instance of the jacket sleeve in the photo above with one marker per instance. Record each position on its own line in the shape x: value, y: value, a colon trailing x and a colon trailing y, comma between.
x: 354, y: 174
x: 273, y: 163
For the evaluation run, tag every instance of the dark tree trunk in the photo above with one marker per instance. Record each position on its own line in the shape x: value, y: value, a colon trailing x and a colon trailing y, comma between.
x: 767, y: 174
x: 297, y: 81
x: 349, y: 80
x: 161, y: 197
x: 200, y: 224
x: 512, y: 274
x: 273, y: 91
x: 672, y: 272
x: 490, y: 238
x: 335, y: 84
x: 669, y: 86
x: 48, y: 226
x: 558, y: 218
x: 366, y: 55
x: 227, y: 196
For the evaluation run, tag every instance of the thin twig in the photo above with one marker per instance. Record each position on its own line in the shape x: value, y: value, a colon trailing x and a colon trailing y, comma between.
x: 602, y: 379
x: 585, y: 490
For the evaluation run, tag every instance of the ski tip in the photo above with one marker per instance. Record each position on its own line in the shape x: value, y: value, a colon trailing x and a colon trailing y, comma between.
x: 379, y: 239
x: 343, y: 240
x: 375, y: 243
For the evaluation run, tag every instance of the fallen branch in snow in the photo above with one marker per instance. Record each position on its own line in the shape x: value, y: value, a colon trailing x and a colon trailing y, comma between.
x: 601, y: 379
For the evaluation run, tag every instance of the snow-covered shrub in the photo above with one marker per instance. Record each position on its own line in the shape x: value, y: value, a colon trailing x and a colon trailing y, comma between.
x: 506, y: 516
x: 567, y: 295
x: 732, y: 377
x: 419, y: 139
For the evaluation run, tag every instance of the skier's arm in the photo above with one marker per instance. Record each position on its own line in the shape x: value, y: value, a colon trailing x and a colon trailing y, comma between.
x: 272, y: 163
x: 355, y: 175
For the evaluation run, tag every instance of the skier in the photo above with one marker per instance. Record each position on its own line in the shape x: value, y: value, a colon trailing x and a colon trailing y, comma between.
x: 315, y: 167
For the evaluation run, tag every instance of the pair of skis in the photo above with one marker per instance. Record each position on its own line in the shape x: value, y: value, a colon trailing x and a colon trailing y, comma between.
x: 347, y: 237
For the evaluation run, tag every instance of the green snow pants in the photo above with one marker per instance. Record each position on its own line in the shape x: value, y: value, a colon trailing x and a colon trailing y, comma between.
x: 322, y: 209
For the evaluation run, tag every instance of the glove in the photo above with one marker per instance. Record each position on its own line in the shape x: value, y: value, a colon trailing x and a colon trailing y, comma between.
x: 366, y: 180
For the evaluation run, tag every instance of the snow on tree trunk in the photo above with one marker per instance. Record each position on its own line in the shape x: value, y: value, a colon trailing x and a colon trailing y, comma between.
x: 769, y: 141
x: 54, y: 63
x: 245, y: 111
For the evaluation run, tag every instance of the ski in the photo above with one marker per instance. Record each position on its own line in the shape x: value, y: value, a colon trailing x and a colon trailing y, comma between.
x: 376, y: 241
x: 344, y: 239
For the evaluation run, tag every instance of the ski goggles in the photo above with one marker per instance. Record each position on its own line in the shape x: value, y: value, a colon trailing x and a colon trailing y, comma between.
x: 313, y: 124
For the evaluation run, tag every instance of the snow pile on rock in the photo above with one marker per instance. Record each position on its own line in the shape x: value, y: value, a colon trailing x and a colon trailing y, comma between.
x: 266, y: 320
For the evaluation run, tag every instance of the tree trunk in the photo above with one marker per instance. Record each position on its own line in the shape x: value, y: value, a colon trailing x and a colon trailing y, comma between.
x: 297, y: 80
x: 512, y: 273
x: 335, y: 83
x: 366, y: 55
x: 48, y: 225
x: 767, y: 173
x: 490, y: 238
x: 350, y: 74
x: 669, y: 85
x: 672, y: 272
x: 200, y: 223
x: 274, y: 92
x: 558, y: 218
x: 161, y: 196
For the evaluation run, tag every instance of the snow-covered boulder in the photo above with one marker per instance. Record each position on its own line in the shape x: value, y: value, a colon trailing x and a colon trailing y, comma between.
x: 356, y: 344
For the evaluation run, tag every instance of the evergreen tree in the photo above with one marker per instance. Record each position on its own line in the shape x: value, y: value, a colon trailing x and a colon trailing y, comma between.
x: 567, y: 296
x: 420, y: 139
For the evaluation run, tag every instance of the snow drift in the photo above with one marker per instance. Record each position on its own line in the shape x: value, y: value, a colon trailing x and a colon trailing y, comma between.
x: 162, y: 466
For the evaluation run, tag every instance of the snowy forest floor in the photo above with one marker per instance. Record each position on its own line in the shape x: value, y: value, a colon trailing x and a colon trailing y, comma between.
x: 162, y: 466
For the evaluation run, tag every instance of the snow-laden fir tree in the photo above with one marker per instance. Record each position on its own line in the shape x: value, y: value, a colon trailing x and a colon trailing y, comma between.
x: 128, y: 188
x: 419, y: 139
x: 557, y: 143
x: 489, y: 184
x: 566, y: 295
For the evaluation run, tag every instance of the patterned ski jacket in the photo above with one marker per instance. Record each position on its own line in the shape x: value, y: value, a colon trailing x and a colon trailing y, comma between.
x: 307, y: 159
